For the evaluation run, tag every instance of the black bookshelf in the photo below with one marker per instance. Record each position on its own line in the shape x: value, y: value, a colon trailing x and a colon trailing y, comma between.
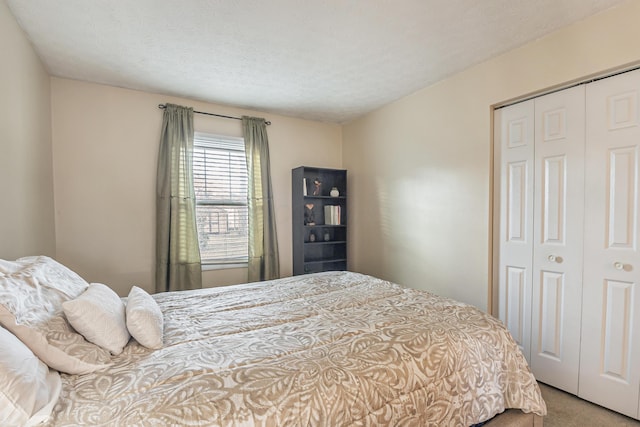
x: 322, y: 244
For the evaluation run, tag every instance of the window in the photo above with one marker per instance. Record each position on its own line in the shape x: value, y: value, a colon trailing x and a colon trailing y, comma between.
x: 220, y: 184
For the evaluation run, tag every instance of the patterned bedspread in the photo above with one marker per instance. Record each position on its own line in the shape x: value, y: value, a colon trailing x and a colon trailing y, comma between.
x: 328, y: 349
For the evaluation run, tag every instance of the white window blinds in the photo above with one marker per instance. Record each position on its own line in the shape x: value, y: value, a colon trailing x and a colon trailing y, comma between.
x: 220, y: 184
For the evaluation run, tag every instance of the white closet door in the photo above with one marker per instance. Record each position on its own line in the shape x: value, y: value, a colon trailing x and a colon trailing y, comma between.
x: 610, y: 353
x: 514, y: 128
x: 558, y: 231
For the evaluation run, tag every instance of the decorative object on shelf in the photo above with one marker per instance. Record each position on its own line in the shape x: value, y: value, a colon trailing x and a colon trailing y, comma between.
x: 327, y: 236
x: 312, y: 237
x: 304, y: 186
x: 334, y: 192
x: 309, y: 218
x: 332, y: 215
x: 317, y: 187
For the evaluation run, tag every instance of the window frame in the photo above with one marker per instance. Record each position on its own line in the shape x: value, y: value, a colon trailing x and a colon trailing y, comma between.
x: 203, y: 140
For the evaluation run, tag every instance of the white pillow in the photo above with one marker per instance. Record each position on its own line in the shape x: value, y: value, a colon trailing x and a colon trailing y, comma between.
x: 29, y: 388
x: 144, y: 318
x: 98, y: 314
x: 32, y: 291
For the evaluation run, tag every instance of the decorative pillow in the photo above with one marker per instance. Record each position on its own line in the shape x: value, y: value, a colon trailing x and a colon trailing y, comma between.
x: 98, y: 314
x: 32, y: 291
x: 144, y: 318
x: 29, y: 388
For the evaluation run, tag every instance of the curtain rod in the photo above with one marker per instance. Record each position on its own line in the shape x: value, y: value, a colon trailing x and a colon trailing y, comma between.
x: 163, y: 106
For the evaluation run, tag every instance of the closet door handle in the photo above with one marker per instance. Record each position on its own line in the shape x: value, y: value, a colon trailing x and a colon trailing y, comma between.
x: 618, y: 265
x: 555, y: 258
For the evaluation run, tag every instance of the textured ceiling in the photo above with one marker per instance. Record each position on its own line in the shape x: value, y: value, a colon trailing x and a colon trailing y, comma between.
x: 327, y: 60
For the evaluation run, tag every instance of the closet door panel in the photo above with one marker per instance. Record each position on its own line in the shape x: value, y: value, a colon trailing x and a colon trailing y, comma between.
x: 514, y: 153
x: 551, y: 304
x: 558, y: 237
x: 609, y: 367
x: 622, y: 166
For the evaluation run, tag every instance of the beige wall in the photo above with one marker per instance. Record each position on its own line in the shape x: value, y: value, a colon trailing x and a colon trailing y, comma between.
x: 105, y: 142
x: 420, y: 168
x: 26, y: 177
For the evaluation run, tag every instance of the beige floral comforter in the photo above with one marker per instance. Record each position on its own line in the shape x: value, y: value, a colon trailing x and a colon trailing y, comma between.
x: 329, y: 349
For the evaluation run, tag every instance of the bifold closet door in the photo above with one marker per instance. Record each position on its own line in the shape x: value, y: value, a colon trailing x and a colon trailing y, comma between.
x: 558, y: 237
x: 513, y: 127
x: 610, y: 352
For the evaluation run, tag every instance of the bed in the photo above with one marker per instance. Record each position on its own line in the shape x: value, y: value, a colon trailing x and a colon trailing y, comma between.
x: 326, y: 349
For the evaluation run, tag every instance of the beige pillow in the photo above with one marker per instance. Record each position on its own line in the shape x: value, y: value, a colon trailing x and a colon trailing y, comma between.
x: 32, y: 291
x: 29, y: 389
x: 98, y: 314
x: 144, y: 318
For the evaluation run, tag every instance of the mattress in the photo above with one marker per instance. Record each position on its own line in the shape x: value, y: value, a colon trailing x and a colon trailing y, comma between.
x: 326, y: 349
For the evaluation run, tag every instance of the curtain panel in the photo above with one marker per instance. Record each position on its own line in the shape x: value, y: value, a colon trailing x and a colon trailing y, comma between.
x: 264, y: 263
x: 177, y: 251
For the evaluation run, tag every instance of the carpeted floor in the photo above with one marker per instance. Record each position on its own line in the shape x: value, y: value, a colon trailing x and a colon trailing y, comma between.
x: 566, y: 410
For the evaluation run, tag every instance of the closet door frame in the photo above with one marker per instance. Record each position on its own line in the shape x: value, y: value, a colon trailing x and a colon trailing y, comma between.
x: 592, y: 331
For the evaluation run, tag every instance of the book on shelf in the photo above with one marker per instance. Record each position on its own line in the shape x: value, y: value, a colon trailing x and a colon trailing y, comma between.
x: 332, y: 215
x: 304, y: 186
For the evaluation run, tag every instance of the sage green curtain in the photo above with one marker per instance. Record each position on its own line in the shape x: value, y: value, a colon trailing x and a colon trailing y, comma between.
x: 264, y: 263
x: 177, y: 251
